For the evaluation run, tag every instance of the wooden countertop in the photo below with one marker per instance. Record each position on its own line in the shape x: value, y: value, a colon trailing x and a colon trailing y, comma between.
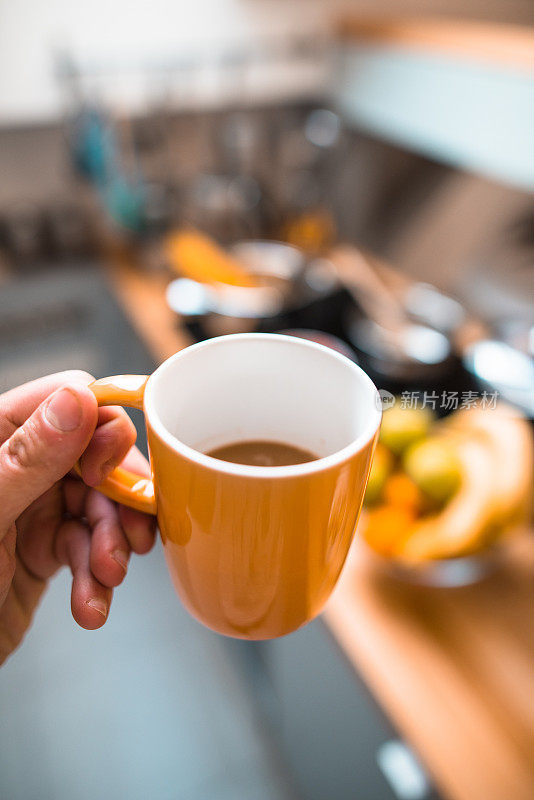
x: 453, y: 668
x: 142, y: 295
x: 486, y: 42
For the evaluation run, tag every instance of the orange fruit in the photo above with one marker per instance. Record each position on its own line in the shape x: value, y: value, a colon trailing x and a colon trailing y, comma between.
x: 400, y: 491
x: 387, y: 527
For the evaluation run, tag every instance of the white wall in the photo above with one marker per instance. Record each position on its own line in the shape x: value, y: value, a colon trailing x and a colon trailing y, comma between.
x: 129, y: 33
x: 127, y: 36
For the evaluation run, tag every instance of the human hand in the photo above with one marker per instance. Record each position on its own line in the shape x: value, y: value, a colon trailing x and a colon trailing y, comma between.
x: 49, y: 517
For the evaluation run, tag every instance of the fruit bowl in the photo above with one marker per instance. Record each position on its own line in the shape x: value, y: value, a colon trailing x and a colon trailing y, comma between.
x: 441, y: 573
x: 444, y: 495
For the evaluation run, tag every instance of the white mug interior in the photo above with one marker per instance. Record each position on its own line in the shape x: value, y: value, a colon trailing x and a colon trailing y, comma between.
x: 254, y: 386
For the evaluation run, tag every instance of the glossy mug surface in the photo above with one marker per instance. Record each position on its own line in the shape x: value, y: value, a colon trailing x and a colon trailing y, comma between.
x: 254, y: 552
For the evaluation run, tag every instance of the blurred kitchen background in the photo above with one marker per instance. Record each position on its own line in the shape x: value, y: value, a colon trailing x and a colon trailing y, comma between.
x: 361, y: 173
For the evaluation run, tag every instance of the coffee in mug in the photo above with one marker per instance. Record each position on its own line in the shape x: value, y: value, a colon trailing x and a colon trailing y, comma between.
x: 262, y: 454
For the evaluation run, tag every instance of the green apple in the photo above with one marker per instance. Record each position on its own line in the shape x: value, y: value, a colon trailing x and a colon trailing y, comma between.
x: 401, y: 427
x: 435, y: 467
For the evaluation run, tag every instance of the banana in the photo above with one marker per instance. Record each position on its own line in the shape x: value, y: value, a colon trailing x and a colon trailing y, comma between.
x: 495, y: 450
x: 510, y: 438
x: 460, y: 527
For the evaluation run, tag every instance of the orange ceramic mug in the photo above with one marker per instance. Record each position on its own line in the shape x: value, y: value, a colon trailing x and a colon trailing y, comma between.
x: 254, y: 552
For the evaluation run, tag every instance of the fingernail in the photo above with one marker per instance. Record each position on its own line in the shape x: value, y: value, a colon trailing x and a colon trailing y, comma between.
x: 98, y: 605
x: 121, y: 558
x: 64, y: 411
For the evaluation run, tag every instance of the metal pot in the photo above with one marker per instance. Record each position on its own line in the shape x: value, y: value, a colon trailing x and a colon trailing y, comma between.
x: 292, y: 293
x: 415, y: 354
x: 507, y: 371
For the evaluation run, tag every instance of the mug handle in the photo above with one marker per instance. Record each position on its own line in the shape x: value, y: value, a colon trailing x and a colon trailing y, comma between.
x: 122, y: 485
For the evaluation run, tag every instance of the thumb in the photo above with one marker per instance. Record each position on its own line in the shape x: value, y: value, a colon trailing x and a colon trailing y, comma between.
x: 44, y: 448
